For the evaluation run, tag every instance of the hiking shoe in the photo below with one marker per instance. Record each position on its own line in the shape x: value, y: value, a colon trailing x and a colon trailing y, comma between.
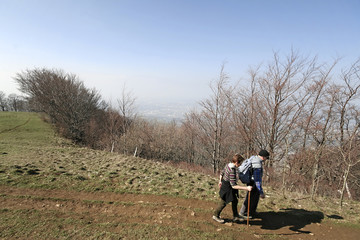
x: 219, y: 220
x: 244, y: 216
x: 238, y: 219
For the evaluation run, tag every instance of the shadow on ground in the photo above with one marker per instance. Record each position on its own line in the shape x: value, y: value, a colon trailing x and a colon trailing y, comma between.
x: 295, y: 219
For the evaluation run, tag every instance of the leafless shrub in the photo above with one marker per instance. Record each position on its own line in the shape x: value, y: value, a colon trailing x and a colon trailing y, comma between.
x: 70, y: 105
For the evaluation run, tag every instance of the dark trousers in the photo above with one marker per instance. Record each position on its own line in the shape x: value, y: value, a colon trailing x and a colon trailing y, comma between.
x: 254, y: 200
x: 222, y: 205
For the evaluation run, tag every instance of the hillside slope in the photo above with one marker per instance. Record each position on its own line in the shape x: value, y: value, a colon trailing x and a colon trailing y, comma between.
x: 51, y: 189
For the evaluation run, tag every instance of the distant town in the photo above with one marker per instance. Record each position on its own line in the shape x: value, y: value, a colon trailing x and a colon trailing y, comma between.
x: 166, y: 111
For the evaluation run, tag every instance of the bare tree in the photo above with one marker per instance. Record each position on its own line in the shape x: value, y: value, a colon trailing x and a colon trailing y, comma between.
x: 213, y: 120
x: 14, y: 102
x: 244, y: 115
x: 3, y: 101
x: 316, y: 92
x: 350, y: 154
x: 126, y: 104
x: 315, y: 121
x: 113, y: 128
x: 321, y: 126
x: 349, y: 123
x: 141, y: 138
x: 282, y: 95
x: 190, y: 134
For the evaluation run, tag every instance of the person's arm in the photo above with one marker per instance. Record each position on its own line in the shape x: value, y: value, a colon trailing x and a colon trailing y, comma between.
x: 248, y: 188
x: 233, y: 182
x: 220, y: 179
x: 257, y: 174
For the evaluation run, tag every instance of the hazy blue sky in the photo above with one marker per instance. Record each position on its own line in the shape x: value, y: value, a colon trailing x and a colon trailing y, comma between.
x: 168, y: 49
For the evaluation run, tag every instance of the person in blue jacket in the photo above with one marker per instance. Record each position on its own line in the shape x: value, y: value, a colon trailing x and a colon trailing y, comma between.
x: 256, y: 183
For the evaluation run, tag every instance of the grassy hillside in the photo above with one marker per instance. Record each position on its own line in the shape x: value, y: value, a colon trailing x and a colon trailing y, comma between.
x: 45, y: 173
x: 33, y: 156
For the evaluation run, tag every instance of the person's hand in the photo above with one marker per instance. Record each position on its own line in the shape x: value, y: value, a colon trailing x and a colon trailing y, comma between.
x: 219, y: 184
x: 262, y: 195
x: 249, y: 188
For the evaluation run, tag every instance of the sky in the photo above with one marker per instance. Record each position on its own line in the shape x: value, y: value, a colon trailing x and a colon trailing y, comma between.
x: 168, y: 50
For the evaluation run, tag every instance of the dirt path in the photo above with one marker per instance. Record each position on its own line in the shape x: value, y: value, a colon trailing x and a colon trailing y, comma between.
x: 176, y: 212
x: 16, y: 127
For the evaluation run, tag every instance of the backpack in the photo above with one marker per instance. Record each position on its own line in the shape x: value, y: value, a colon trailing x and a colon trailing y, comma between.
x: 245, y: 171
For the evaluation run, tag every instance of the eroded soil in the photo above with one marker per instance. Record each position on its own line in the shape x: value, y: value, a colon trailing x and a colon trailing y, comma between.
x: 173, y: 212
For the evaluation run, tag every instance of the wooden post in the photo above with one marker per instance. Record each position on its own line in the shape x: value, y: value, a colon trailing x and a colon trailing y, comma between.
x: 248, y: 209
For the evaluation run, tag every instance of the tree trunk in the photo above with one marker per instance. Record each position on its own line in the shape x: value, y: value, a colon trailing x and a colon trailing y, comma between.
x: 112, y: 147
x: 346, y: 174
x: 315, y: 177
x: 284, y: 169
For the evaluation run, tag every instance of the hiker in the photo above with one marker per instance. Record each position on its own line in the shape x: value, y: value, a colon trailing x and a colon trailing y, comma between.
x: 256, y: 182
x: 229, y: 189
